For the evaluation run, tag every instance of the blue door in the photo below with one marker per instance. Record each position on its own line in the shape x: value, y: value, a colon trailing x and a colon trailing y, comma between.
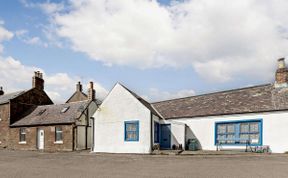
x: 165, y: 140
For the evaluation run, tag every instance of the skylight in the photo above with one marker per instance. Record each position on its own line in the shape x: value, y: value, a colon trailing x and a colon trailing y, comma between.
x: 41, y: 112
x: 65, y: 109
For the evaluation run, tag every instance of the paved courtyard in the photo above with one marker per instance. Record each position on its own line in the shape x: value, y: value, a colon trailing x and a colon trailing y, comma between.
x: 36, y: 164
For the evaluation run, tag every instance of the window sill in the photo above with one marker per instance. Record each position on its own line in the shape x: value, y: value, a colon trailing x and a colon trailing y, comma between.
x: 22, y: 143
x: 58, y: 142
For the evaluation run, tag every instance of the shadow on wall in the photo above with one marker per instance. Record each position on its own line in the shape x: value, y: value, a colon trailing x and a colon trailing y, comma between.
x: 190, y: 135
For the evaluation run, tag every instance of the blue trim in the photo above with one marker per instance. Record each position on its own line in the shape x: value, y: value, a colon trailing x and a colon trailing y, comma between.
x: 137, y: 131
x: 237, y: 131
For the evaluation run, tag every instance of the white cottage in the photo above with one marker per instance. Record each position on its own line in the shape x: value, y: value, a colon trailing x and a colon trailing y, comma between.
x: 126, y: 123
x: 255, y: 115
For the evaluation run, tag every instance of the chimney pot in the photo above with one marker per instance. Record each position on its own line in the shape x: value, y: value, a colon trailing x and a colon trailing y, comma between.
x: 1, y: 91
x: 281, y: 63
x: 37, y: 80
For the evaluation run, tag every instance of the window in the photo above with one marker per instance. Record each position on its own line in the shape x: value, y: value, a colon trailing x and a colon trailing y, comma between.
x: 156, y: 132
x: 132, y: 131
x: 41, y: 112
x: 22, y: 135
x: 65, y: 109
x: 58, y: 134
x: 239, y: 132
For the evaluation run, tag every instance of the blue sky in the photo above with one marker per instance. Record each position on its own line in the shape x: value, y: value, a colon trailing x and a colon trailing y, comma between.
x: 187, y: 56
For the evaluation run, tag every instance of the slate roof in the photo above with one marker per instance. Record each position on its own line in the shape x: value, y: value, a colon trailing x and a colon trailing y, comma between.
x: 255, y: 99
x: 7, y: 97
x: 143, y: 101
x: 51, y: 114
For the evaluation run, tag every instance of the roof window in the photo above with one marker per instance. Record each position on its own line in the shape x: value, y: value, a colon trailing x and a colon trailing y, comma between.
x: 65, y: 109
x: 41, y: 112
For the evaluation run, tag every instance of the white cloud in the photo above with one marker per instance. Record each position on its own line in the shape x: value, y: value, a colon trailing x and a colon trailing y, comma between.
x: 4, y: 35
x: 24, y: 36
x: 155, y: 94
x: 17, y: 76
x: 49, y: 8
x: 60, y: 86
x: 220, y: 39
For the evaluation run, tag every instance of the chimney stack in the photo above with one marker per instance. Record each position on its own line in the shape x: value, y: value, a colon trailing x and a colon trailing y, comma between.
x: 79, y: 86
x: 37, y: 80
x: 281, y: 76
x: 1, y: 91
x: 91, y: 92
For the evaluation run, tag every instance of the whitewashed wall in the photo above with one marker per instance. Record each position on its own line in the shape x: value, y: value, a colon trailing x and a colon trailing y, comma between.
x: 275, y: 129
x: 177, y: 132
x: 118, y: 107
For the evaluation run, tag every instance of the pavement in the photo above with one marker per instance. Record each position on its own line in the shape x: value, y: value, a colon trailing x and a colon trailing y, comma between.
x: 29, y: 164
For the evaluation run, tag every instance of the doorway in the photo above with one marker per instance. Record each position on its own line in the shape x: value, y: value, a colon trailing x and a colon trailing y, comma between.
x: 165, y: 138
x: 40, y: 137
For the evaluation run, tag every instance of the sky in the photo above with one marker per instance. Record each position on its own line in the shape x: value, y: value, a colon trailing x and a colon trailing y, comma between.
x: 160, y: 49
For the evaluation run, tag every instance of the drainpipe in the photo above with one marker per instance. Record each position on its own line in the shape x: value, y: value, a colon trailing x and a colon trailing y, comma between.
x: 151, y: 132
x: 93, y: 134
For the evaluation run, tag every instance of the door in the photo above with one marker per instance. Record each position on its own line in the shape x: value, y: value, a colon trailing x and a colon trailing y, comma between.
x: 165, y: 137
x: 40, y: 139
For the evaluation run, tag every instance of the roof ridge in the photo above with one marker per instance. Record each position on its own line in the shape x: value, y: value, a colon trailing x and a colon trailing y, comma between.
x: 217, y: 92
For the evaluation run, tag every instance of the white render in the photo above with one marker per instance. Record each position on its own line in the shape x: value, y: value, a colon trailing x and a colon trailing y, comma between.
x: 178, y: 135
x: 275, y: 129
x: 120, y: 106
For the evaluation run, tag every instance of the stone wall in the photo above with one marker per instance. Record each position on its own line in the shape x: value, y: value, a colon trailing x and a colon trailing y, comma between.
x: 4, y: 125
x: 49, y: 136
x: 21, y: 105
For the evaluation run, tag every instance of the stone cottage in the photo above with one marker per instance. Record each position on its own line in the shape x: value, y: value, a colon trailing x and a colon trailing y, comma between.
x: 59, y: 127
x: 14, y: 105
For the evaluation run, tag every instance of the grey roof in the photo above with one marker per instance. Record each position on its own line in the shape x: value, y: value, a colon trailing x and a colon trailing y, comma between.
x: 7, y: 97
x: 263, y: 98
x: 144, y: 102
x: 51, y: 114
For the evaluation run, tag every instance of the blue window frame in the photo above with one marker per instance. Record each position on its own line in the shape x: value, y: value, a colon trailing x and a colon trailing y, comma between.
x: 131, y: 131
x: 239, y: 132
x: 156, y: 132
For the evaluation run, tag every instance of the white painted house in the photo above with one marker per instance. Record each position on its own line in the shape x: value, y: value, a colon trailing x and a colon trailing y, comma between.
x: 126, y: 123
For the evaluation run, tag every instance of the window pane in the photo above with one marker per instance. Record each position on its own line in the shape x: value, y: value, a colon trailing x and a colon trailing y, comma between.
x: 254, y: 138
x: 131, y: 127
x: 230, y: 128
x: 58, y: 134
x: 254, y: 127
x: 221, y: 139
x: 244, y: 127
x: 231, y: 138
x: 22, y: 135
x: 221, y: 129
x: 244, y: 138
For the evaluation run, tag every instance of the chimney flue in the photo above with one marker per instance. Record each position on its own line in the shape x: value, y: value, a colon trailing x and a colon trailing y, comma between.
x: 37, y: 80
x: 1, y: 91
x: 281, y: 63
x: 281, y: 76
x: 91, y: 92
x: 79, y: 86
